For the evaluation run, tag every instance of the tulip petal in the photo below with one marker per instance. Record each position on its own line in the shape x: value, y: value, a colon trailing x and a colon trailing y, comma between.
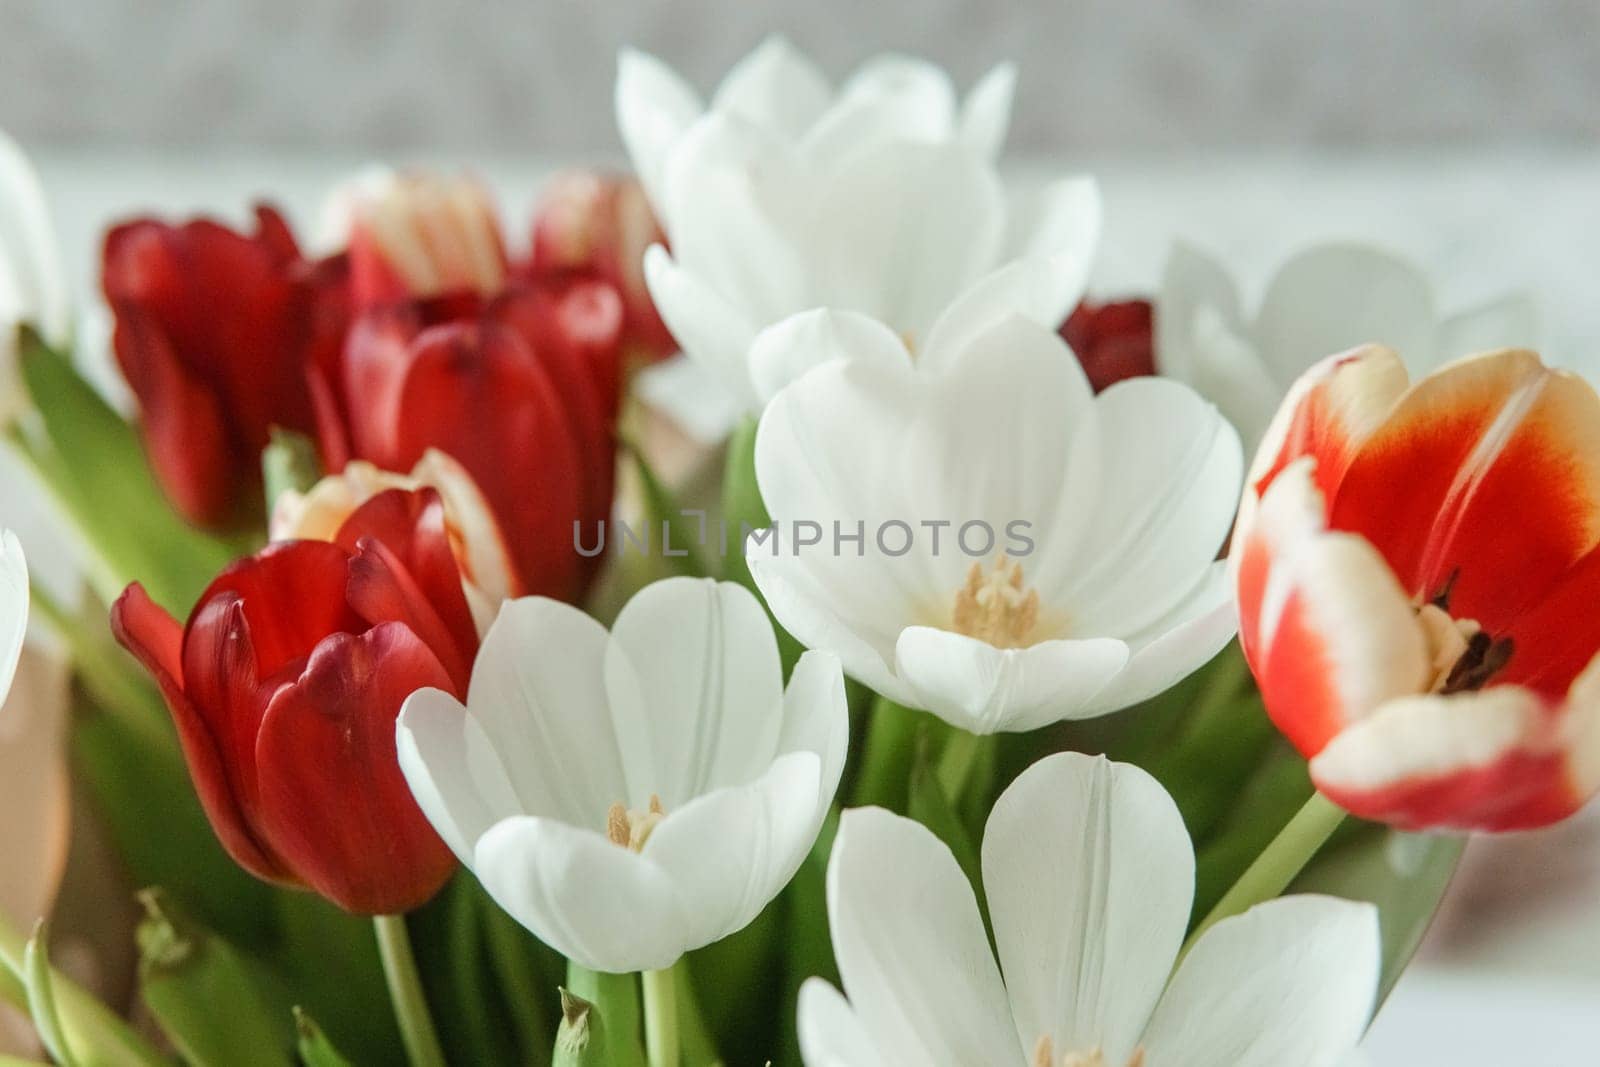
x: 729, y: 852
x: 1328, y: 631
x: 1191, y: 281
x: 33, y: 285
x: 890, y: 97
x: 783, y: 352
x: 1497, y: 759
x: 1060, y: 219
x: 538, y: 691
x: 1489, y: 437
x: 1555, y: 640
x: 816, y: 718
x: 334, y: 802
x: 453, y: 769
x: 703, y: 655
x: 655, y: 108
x: 13, y: 606
x: 984, y: 690
x: 714, y: 334
x: 986, y: 112
x: 1332, y: 297
x: 603, y: 907
x: 1090, y: 877
x: 776, y: 86
x: 830, y: 1033
x: 1289, y: 981
x: 1040, y: 288
x: 911, y: 946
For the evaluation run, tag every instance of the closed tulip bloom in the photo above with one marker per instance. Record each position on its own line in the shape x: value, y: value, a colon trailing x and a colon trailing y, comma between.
x: 214, y: 332
x: 1417, y: 569
x: 420, y: 235
x: 1024, y: 551
x: 285, y: 685
x: 634, y: 795
x: 521, y: 391
x: 1089, y: 877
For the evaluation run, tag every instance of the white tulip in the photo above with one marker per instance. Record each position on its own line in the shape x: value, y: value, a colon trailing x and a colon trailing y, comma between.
x: 631, y: 796
x: 33, y: 287
x: 1110, y: 510
x: 883, y: 197
x: 1326, y: 299
x: 1090, y: 877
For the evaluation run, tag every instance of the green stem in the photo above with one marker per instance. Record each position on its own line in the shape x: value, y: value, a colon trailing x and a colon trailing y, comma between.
x: 405, y: 992
x: 956, y: 763
x: 661, y: 1017
x: 1278, y: 863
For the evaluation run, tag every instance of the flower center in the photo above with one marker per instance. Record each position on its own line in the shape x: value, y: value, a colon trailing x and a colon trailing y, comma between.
x: 995, y: 607
x: 630, y: 828
x: 1044, y: 1055
x: 1462, y: 657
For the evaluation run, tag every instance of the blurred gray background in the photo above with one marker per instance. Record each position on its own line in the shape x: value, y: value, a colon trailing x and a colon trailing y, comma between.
x: 506, y: 76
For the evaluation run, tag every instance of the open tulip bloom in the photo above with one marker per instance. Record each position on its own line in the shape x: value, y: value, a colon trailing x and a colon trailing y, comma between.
x: 634, y: 795
x: 625, y: 801
x: 1089, y: 877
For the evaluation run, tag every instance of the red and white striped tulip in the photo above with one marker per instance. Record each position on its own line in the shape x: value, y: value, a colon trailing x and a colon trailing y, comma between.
x: 1417, y: 567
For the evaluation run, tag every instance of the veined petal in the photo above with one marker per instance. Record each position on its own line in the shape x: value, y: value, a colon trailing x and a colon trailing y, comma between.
x: 1496, y: 759
x: 911, y: 947
x: 830, y: 1033
x: 891, y: 97
x: 1190, y: 281
x: 604, y: 907
x: 1289, y: 981
x: 655, y: 108
x: 704, y: 657
x: 1226, y: 369
x: 1333, y: 297
x: 453, y: 770
x: 984, y: 690
x: 729, y: 852
x: 1039, y: 288
x: 986, y: 112
x: 783, y: 352
x: 713, y: 332
x: 1328, y: 631
x: 1090, y: 877
x: 1488, y: 437
x: 776, y: 86
x: 33, y: 285
x: 816, y: 718
x: 1062, y: 218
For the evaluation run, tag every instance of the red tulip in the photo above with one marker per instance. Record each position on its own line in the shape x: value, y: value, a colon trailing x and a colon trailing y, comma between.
x: 595, y: 225
x: 1112, y: 341
x: 285, y: 686
x: 522, y: 391
x: 420, y: 236
x: 1417, y: 573
x: 213, y: 333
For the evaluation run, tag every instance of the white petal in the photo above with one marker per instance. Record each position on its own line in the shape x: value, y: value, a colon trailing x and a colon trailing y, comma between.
x: 453, y: 770
x: 984, y: 689
x: 731, y: 851
x: 1510, y: 321
x: 1042, y: 289
x: 1333, y: 297
x: 687, y: 392
x: 901, y: 229
x: 33, y: 284
x: 1090, y: 878
x: 1225, y: 368
x: 1061, y: 219
x: 1289, y: 981
x: 776, y: 86
x: 600, y: 905
x: 783, y: 352
x: 816, y: 718
x: 911, y: 946
x: 538, y: 690
x: 712, y: 332
x: 655, y: 108
x: 1176, y: 645
x: 1170, y: 487
x: 13, y: 606
x: 705, y: 661
x: 1190, y: 281
x: 35, y: 823
x: 986, y: 113
x: 830, y: 1034
x: 891, y: 98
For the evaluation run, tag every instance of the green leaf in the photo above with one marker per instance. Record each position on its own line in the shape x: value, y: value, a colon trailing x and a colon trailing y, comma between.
x: 743, y: 509
x: 452, y: 957
x: 36, y: 975
x: 683, y: 542
x: 613, y: 1000
x: 883, y: 772
x: 810, y: 948
x: 94, y: 463
x: 1405, y: 875
x: 1265, y: 803
x: 288, y: 462
x: 212, y: 1002
x: 930, y: 805
x: 315, y: 1048
x: 330, y: 960
x: 525, y: 972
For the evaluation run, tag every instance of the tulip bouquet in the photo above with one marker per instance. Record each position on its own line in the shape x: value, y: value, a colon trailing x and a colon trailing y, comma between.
x: 437, y: 722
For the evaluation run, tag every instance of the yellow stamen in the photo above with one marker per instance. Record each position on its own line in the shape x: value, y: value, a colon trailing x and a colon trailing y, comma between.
x: 630, y: 828
x: 994, y: 606
x: 1044, y: 1056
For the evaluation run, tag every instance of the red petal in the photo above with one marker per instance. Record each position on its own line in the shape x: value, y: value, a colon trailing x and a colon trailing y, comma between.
x: 155, y: 638
x: 1485, y: 480
x: 1556, y: 639
x: 334, y: 801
